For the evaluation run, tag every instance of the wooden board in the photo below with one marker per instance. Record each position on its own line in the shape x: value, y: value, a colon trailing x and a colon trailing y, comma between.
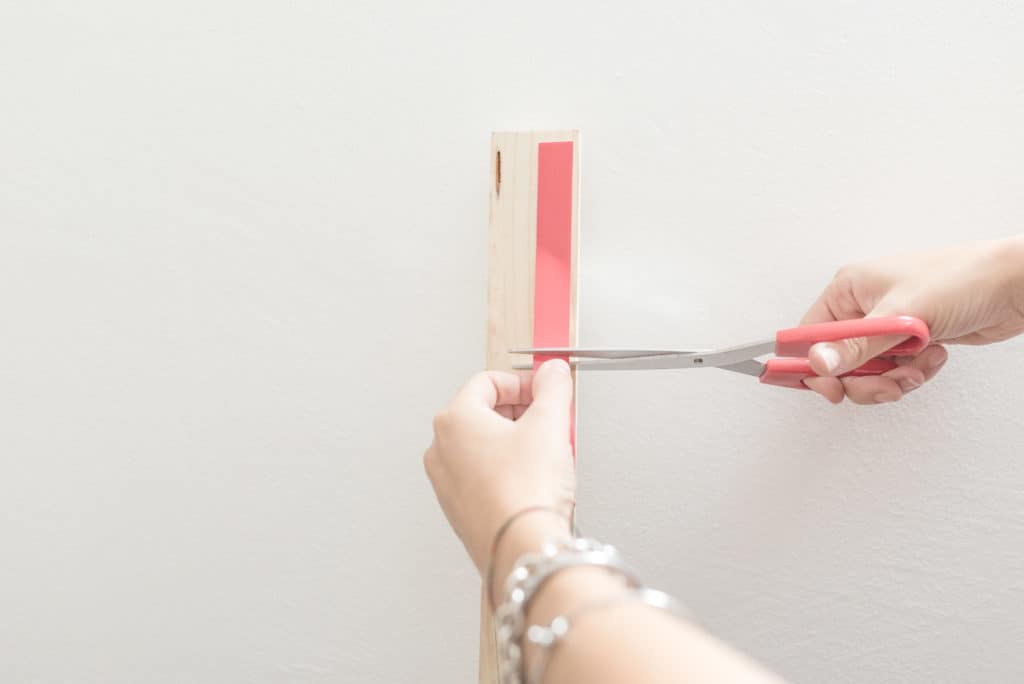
x: 510, y: 278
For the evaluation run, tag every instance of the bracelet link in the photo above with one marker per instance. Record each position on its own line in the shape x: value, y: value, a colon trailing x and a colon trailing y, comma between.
x: 549, y: 637
x: 531, y: 572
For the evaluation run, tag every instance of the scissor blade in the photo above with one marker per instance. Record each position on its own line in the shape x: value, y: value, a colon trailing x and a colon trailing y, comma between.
x: 748, y: 367
x: 731, y: 355
x: 723, y: 358
x: 663, y: 362
x: 601, y: 353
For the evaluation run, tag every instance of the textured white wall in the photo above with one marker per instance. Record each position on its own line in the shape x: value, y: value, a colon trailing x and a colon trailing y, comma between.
x: 242, y: 261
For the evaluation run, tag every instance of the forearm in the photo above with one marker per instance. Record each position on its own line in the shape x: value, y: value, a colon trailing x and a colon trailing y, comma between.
x: 620, y: 639
x: 1011, y: 260
x: 632, y: 642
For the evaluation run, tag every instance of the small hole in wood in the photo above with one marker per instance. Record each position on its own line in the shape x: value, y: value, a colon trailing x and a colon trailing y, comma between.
x: 497, y: 173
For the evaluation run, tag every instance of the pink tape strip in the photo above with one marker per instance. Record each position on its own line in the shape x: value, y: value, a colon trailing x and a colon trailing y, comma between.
x: 553, y: 273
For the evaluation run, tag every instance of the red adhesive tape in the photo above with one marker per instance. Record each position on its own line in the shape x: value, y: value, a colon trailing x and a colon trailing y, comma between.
x: 553, y: 273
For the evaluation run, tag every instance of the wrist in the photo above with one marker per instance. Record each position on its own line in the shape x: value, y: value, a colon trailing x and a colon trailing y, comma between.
x: 526, y: 534
x: 1009, y: 259
x: 1011, y: 255
x: 573, y: 587
x: 568, y: 591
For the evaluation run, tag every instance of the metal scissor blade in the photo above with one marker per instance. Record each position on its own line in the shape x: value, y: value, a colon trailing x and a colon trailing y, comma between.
x: 662, y: 362
x: 602, y: 353
x: 732, y: 358
x: 748, y: 367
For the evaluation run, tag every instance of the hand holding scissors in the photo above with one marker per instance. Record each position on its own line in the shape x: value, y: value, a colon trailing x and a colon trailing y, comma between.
x: 788, y: 368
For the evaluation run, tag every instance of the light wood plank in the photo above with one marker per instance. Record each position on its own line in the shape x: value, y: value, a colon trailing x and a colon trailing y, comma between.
x: 511, y: 256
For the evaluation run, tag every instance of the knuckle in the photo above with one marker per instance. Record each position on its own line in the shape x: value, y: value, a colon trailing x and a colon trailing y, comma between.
x: 847, y: 272
x: 442, y: 420
x: 855, y: 392
x: 857, y: 347
x: 859, y: 397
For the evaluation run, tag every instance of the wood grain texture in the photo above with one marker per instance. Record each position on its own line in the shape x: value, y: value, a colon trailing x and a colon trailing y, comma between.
x: 510, y: 279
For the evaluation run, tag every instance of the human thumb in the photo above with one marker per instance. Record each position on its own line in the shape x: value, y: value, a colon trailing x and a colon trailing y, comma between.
x: 842, y: 356
x: 552, y: 391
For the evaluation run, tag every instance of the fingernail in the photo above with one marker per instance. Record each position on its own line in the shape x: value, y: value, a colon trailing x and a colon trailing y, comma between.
x: 557, y: 364
x: 886, y: 397
x: 830, y: 357
x: 908, y: 384
x: 936, y: 361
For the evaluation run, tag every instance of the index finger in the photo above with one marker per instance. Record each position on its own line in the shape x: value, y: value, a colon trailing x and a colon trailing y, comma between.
x: 493, y: 389
x: 837, y: 302
x: 821, y: 311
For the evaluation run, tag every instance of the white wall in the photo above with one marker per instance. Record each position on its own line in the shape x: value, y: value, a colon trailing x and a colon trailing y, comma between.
x: 242, y: 262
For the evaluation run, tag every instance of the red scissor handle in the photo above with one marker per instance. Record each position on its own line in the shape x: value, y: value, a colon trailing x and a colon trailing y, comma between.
x: 792, y: 372
x: 796, y: 342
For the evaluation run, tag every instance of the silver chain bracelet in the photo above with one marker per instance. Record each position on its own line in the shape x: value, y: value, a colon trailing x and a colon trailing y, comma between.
x: 528, y: 576
x: 550, y: 636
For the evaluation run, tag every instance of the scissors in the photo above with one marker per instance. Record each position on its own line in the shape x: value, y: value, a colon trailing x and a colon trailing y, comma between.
x: 788, y: 368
